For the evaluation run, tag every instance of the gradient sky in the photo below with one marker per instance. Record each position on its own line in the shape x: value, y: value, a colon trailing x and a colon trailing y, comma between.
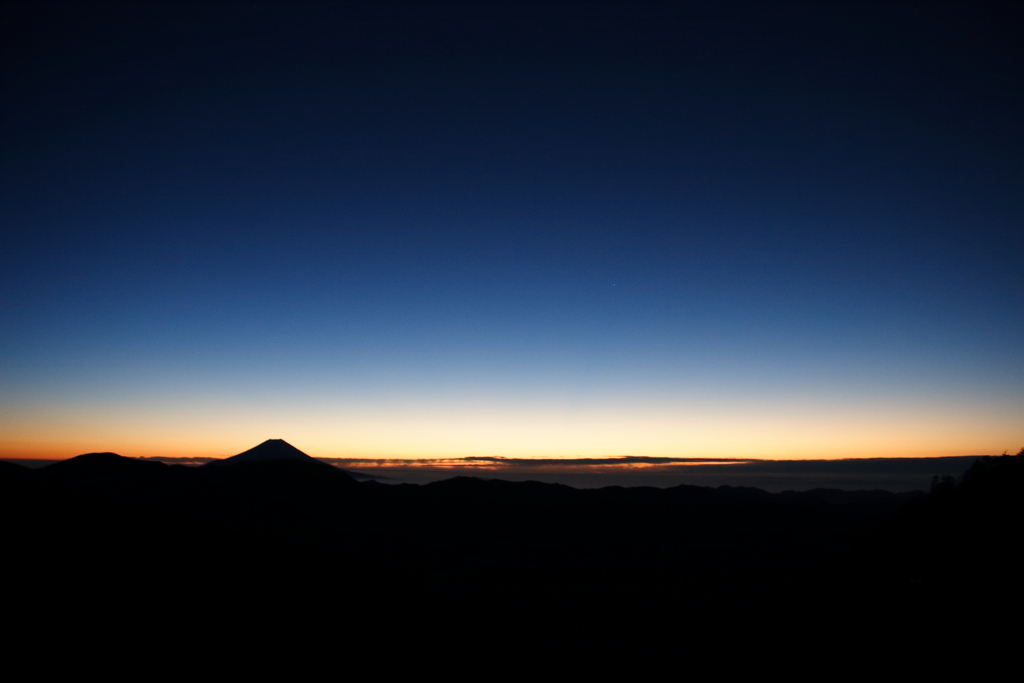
x: 525, y: 229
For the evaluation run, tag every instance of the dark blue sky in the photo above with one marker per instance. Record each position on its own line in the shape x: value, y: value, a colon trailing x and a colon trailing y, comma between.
x: 785, y: 229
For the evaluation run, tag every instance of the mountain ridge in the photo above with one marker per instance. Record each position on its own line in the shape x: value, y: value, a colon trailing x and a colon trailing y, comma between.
x: 271, y: 449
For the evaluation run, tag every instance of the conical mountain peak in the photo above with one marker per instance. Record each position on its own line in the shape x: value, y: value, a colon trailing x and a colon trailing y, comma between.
x: 271, y: 449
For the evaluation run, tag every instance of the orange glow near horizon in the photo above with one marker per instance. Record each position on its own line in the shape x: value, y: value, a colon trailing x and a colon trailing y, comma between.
x: 687, y: 431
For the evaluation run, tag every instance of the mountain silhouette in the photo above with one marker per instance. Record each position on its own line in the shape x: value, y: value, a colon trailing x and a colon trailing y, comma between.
x: 102, y: 471
x: 863, y: 578
x: 98, y: 463
x: 271, y: 449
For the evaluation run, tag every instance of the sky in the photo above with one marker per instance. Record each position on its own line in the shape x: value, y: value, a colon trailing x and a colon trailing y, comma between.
x: 531, y: 229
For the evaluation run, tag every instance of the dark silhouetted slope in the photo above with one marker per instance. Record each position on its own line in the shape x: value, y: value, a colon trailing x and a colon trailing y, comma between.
x: 12, y: 472
x: 963, y: 530
x: 949, y: 564
x: 271, y: 449
x: 289, y: 539
x: 99, y: 466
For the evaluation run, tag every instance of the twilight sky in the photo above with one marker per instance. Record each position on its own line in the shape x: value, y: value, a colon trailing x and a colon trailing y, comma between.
x: 519, y: 229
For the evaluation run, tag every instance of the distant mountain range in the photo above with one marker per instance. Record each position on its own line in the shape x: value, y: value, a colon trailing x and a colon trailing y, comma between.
x: 891, y: 474
x: 274, y: 536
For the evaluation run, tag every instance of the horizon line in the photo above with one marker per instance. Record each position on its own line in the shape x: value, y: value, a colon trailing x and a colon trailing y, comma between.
x: 536, y: 461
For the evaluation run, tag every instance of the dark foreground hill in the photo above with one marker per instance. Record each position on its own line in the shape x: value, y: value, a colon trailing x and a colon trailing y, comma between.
x: 648, y: 573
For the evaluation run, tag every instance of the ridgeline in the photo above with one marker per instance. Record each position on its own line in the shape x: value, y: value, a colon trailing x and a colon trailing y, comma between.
x: 266, y: 539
